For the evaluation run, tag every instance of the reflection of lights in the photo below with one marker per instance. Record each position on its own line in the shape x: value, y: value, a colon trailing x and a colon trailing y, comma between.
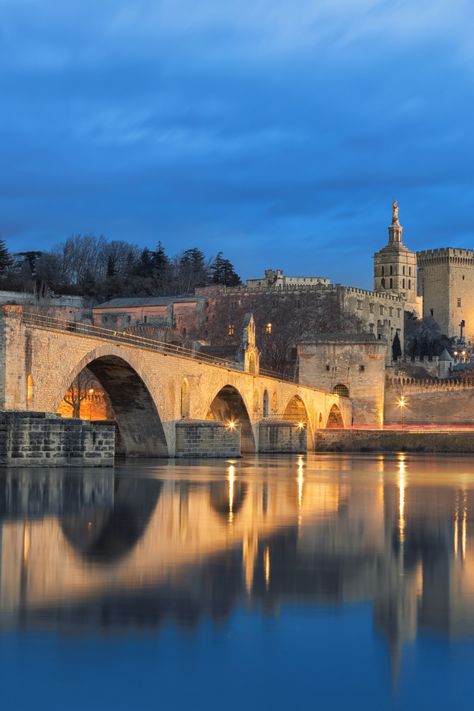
x: 266, y: 566
x: 231, y: 478
x: 26, y: 543
x: 401, y: 501
x: 464, y: 527
x: 300, y: 487
x: 231, y: 424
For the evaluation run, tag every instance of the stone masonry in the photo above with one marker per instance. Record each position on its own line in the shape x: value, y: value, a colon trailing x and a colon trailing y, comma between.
x: 34, y: 438
x: 206, y: 439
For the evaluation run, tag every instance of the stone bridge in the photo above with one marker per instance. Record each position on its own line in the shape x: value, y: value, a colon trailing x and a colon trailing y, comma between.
x: 152, y: 386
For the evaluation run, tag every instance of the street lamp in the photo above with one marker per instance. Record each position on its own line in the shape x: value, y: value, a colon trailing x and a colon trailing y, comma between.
x: 402, y: 403
x: 231, y: 424
x: 90, y: 393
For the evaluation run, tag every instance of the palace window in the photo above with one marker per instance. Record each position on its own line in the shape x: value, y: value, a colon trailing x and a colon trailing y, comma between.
x: 390, y: 311
x: 391, y: 283
x: 268, y: 328
x: 391, y: 269
x: 409, y: 283
x: 399, y: 313
x: 403, y: 271
x: 230, y: 329
x: 361, y: 368
x: 383, y: 271
x: 371, y: 326
x: 383, y: 283
x: 409, y: 271
x: 359, y: 305
x: 404, y: 283
x: 381, y: 310
x: 432, y: 312
x: 371, y: 308
x: 328, y: 367
x: 459, y: 303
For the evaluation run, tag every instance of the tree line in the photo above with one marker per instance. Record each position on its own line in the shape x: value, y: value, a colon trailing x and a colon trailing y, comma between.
x: 95, y: 267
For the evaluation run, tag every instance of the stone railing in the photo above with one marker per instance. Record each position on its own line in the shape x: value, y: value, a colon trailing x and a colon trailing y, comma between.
x: 78, y: 328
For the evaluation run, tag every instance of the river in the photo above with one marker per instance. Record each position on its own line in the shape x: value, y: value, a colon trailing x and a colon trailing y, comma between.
x: 318, y: 582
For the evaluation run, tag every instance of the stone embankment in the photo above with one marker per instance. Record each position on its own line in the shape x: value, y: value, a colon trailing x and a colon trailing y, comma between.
x: 42, y: 439
x: 403, y: 440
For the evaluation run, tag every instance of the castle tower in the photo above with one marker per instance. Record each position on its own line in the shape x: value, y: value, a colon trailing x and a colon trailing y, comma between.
x: 395, y: 265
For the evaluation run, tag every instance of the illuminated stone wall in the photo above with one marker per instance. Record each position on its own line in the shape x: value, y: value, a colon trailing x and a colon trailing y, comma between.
x: 357, y: 364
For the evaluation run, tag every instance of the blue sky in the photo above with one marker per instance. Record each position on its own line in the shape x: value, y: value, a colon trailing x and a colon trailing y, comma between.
x: 276, y: 131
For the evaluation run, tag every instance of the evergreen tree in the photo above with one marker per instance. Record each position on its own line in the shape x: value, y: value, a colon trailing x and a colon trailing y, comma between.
x: 146, y: 263
x: 5, y: 259
x: 192, y: 270
x: 161, y: 269
x: 396, y: 348
x: 223, y: 272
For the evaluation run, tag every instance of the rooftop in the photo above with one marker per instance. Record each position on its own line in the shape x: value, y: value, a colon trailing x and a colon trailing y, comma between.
x: 131, y: 301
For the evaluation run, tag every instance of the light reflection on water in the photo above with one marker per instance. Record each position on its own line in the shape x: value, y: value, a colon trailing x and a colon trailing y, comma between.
x: 158, y: 547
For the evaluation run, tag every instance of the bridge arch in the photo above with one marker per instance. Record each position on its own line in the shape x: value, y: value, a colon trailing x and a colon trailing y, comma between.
x: 136, y: 414
x: 229, y: 405
x: 335, y: 418
x: 297, y: 412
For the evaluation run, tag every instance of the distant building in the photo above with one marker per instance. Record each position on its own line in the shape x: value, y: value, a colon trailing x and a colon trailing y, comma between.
x: 180, y: 313
x: 275, y: 279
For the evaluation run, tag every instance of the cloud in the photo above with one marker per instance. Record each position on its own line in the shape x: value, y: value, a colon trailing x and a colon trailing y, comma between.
x: 246, y: 126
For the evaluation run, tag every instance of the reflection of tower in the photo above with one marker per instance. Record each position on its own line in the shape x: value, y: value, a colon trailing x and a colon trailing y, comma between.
x: 249, y: 556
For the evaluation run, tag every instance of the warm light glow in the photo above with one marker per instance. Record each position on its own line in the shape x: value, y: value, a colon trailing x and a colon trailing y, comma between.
x: 401, y: 498
x: 300, y: 425
x: 231, y: 479
x: 300, y: 488
x: 231, y: 424
x: 402, y: 402
x: 266, y: 566
x: 91, y: 391
x: 268, y: 328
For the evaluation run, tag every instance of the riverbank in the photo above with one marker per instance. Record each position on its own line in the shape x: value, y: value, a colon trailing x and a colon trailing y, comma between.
x: 448, y: 440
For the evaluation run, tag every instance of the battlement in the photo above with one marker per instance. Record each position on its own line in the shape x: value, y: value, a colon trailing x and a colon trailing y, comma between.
x: 405, y: 384
x: 373, y: 294
x: 445, y: 254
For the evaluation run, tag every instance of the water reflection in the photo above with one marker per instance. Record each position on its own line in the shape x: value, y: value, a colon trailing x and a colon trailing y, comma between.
x: 154, y: 543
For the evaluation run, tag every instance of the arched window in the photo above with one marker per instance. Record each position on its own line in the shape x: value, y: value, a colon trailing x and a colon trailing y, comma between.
x: 341, y: 390
x: 185, y: 398
x: 265, y: 403
x: 391, y: 283
x: 29, y: 388
x: 383, y: 283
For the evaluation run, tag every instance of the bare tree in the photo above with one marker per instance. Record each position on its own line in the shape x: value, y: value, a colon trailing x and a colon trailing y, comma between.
x: 78, y: 392
x: 282, y: 319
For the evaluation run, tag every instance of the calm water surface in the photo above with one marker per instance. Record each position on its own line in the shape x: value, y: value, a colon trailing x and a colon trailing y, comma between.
x: 326, y: 582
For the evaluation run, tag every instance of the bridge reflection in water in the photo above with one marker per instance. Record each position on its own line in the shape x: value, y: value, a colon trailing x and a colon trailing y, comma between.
x: 172, y: 542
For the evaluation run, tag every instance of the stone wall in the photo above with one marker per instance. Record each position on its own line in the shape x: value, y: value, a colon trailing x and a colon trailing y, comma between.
x: 38, y: 439
x: 357, y: 364
x: 436, y: 402
x: 206, y: 438
x: 281, y: 437
x: 449, y: 441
